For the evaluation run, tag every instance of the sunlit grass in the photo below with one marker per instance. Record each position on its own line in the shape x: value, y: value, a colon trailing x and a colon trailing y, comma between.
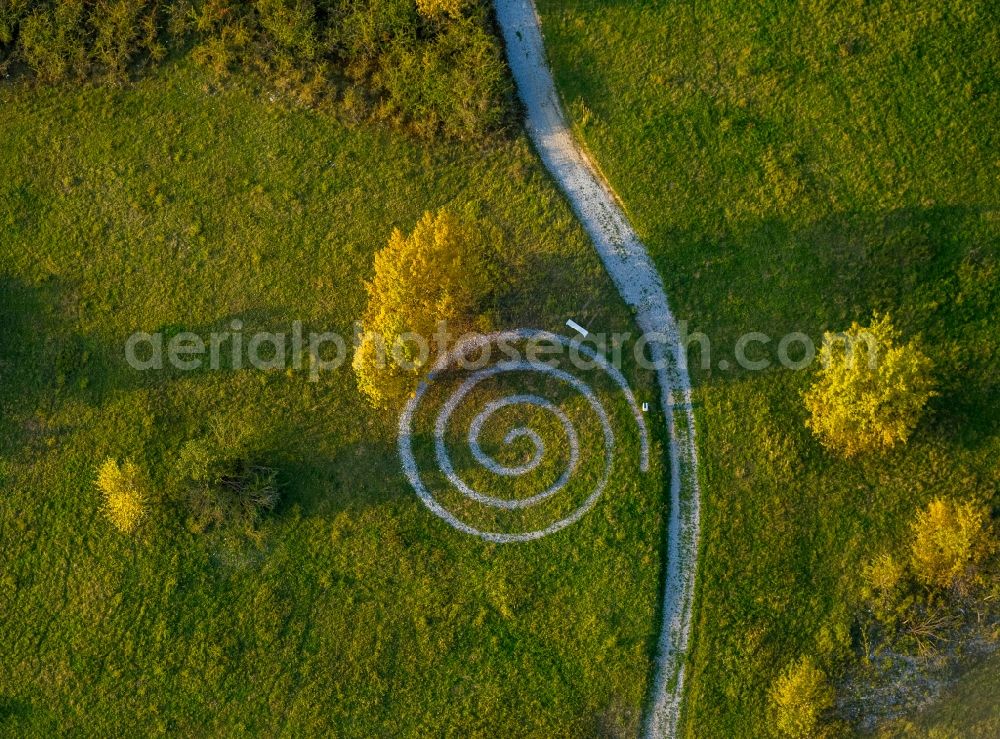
x: 796, y: 167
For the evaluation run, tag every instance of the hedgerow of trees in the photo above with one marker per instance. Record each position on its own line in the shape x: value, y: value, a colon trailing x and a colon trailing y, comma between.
x: 434, y: 66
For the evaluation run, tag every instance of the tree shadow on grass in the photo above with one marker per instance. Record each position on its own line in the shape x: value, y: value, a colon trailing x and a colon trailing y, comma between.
x: 13, y: 712
x: 151, y: 348
x: 358, y: 475
x: 933, y: 269
x: 44, y: 363
x: 13, y: 708
x: 42, y: 360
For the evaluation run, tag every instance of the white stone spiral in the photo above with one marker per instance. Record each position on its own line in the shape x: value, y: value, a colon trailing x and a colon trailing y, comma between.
x: 514, y: 365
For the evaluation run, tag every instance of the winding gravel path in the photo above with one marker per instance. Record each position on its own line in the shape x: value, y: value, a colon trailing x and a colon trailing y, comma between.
x: 636, y: 278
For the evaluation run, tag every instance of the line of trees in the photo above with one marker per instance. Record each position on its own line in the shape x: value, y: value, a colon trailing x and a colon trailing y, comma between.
x: 433, y: 66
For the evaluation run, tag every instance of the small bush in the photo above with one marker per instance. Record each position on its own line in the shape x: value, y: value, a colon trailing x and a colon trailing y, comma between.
x: 871, y: 391
x: 884, y: 573
x: 448, y: 270
x: 951, y: 540
x: 438, y: 8
x: 124, y: 491
x: 223, y: 487
x: 886, y: 583
x: 799, y: 697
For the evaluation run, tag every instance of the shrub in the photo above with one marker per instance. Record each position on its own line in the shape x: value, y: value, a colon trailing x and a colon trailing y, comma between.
x: 950, y: 541
x: 884, y: 573
x: 223, y: 486
x: 117, y: 26
x: 799, y: 697
x: 291, y: 25
x: 11, y: 12
x: 440, y: 70
x: 886, y: 580
x: 448, y: 270
x: 438, y: 8
x: 221, y: 52
x: 870, y: 400
x: 123, y: 488
x: 52, y: 41
x: 433, y: 86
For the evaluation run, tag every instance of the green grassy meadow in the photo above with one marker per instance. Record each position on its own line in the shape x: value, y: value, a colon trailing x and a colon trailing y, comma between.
x: 174, y: 204
x: 795, y: 167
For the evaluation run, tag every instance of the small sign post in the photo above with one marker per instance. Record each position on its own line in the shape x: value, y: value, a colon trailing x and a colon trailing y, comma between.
x: 577, y: 327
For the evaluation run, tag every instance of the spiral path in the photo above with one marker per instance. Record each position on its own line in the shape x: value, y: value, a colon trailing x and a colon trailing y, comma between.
x: 446, y: 363
x: 639, y: 284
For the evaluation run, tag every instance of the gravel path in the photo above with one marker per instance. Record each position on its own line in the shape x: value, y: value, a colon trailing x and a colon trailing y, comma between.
x: 638, y: 281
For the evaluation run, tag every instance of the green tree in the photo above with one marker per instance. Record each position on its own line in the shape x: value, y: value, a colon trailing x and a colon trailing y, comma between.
x: 871, y: 390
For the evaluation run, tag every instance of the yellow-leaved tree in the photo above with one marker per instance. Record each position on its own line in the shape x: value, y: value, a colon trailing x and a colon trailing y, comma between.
x: 951, y: 539
x: 799, y: 697
x: 446, y: 273
x: 871, y: 390
x: 124, y: 491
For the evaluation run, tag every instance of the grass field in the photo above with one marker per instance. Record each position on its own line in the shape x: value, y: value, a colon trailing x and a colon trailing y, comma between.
x: 794, y: 167
x: 175, y: 205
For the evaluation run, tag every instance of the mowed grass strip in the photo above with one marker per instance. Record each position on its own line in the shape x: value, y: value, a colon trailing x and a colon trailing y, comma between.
x: 794, y: 167
x: 174, y: 205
